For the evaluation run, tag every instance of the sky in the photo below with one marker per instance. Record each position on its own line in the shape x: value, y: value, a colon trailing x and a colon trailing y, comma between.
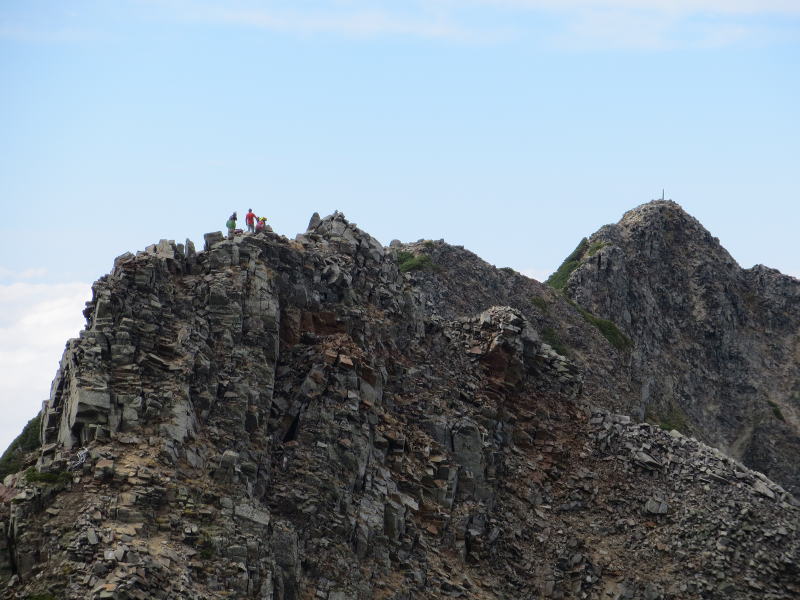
x: 512, y: 127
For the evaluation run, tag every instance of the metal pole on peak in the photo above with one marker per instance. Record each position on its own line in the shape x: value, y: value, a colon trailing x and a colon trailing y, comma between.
x: 662, y: 193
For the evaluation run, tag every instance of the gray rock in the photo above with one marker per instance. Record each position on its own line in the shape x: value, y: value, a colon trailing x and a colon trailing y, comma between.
x: 91, y: 537
x: 251, y: 513
x: 762, y: 488
x: 656, y: 507
x: 212, y: 239
x: 314, y: 222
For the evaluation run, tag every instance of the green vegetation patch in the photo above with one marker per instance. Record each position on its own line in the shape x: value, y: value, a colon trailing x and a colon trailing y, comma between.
x: 559, y: 279
x: 206, y: 546
x: 584, y: 250
x: 414, y: 262
x: 551, y: 338
x: 776, y: 410
x: 675, y: 421
x: 34, y: 476
x: 595, y: 247
x: 673, y: 418
x: 404, y: 256
x: 27, y: 441
x: 541, y: 304
x: 610, y: 331
x: 45, y: 596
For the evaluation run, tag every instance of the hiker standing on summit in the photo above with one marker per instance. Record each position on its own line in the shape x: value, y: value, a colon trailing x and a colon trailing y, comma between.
x: 250, y: 219
x: 231, y: 224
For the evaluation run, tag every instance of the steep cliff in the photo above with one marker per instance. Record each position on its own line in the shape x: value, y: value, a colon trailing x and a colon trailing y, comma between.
x: 329, y: 418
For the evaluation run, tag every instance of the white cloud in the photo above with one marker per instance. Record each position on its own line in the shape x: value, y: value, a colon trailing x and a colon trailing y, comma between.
x: 641, y: 24
x: 657, y: 24
x: 11, y: 274
x: 653, y: 24
x: 615, y: 29
x: 49, y: 35
x: 36, y: 320
x: 650, y: 31
x: 721, y: 7
x: 360, y: 23
x: 563, y: 24
x: 353, y: 18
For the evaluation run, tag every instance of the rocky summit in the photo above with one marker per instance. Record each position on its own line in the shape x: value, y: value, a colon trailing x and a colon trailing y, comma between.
x: 329, y: 418
x: 717, y: 347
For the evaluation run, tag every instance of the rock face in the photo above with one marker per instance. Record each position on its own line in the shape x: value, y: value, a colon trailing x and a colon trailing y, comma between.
x: 717, y: 347
x: 329, y: 418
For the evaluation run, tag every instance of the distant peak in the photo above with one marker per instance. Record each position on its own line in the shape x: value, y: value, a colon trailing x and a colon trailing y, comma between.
x: 654, y: 208
x: 663, y: 215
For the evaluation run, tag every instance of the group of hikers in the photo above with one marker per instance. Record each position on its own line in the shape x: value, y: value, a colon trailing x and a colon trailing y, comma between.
x: 254, y: 223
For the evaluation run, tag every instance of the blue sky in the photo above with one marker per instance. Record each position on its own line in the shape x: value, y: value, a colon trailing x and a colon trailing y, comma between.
x: 513, y: 127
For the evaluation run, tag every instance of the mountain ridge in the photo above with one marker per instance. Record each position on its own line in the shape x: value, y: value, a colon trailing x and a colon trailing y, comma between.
x: 327, y: 417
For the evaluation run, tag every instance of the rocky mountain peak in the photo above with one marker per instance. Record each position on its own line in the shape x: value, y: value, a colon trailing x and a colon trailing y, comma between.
x: 658, y: 213
x: 714, y: 345
x: 661, y: 230
x: 329, y: 418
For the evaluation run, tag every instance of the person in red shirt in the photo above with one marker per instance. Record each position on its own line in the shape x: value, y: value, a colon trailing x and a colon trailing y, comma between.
x: 250, y: 219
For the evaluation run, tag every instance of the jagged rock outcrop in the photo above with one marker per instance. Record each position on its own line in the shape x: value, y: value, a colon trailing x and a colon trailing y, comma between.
x: 329, y: 418
x: 717, y: 347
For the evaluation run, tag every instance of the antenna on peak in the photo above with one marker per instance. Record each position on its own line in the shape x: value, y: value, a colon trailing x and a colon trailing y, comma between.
x: 662, y: 193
